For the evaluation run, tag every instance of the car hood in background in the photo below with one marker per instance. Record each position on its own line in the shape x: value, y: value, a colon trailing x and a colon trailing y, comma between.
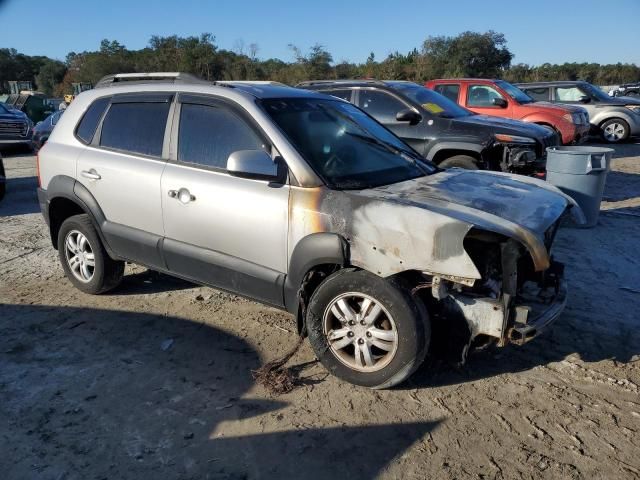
x: 505, y: 125
x: 558, y: 109
x: 618, y: 102
x: 13, y: 117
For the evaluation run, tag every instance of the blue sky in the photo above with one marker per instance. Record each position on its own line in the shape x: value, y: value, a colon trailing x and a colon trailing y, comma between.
x: 537, y: 31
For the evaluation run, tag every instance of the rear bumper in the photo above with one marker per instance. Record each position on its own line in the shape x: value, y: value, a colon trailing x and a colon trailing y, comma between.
x: 43, y: 200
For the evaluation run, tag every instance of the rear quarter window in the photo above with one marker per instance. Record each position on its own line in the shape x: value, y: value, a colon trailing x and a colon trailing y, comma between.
x: 87, y: 126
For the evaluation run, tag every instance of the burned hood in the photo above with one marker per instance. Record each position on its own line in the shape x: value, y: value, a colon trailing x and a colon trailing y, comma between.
x: 479, y: 193
x: 517, y: 207
x: 421, y: 224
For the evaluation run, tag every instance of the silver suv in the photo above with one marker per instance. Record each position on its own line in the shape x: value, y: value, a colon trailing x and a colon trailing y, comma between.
x: 304, y: 202
x: 614, y: 119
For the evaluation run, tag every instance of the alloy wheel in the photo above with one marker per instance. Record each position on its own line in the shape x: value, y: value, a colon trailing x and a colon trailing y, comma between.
x: 360, y: 332
x: 614, y: 132
x: 79, y: 255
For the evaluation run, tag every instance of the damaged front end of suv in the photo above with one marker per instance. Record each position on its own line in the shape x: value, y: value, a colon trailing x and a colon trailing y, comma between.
x: 476, y: 244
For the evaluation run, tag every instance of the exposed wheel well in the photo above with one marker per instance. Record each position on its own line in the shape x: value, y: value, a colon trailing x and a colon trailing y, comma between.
x: 442, y: 155
x: 60, y: 209
x: 311, y: 280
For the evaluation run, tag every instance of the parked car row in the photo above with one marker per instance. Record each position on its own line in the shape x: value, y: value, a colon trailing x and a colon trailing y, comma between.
x: 626, y: 90
x: 614, y: 119
x: 501, y: 99
x: 442, y: 131
x: 305, y: 202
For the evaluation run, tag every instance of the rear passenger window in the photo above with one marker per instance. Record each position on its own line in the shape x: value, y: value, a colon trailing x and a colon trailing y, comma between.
x: 538, y: 94
x: 208, y: 135
x: 449, y: 91
x: 87, y: 127
x: 135, y: 127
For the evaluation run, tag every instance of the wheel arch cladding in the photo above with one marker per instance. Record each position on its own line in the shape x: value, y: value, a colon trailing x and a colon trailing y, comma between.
x: 460, y: 148
x: 312, y: 251
x: 66, y: 198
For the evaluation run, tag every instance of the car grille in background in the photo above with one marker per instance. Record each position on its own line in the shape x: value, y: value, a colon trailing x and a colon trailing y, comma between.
x: 13, y: 128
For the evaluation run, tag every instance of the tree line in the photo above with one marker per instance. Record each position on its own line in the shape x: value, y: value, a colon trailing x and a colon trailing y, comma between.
x: 469, y: 54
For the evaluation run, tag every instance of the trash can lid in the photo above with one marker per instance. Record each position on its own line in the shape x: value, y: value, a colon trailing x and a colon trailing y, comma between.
x: 579, y: 149
x: 578, y: 159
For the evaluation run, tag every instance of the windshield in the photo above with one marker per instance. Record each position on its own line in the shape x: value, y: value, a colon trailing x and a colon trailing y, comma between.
x: 431, y: 101
x: 344, y: 146
x: 595, y: 92
x: 514, y: 92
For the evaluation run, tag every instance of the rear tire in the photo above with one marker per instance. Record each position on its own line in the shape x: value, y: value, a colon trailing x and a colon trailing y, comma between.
x: 460, y: 161
x: 614, y: 130
x: 84, y: 260
x: 378, y: 345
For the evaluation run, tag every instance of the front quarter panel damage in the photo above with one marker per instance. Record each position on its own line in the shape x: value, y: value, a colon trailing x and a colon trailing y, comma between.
x: 384, y: 237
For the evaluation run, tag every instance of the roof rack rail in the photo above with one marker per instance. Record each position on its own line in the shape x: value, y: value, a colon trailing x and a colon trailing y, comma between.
x: 132, y: 78
x: 231, y: 83
x: 346, y: 80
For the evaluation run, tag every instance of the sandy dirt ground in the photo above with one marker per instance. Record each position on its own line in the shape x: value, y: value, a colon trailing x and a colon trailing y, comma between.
x: 153, y: 380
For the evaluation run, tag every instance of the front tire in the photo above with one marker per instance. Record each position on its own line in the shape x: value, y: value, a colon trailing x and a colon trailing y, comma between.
x: 615, y: 130
x: 367, y: 330
x: 84, y: 259
x: 460, y: 161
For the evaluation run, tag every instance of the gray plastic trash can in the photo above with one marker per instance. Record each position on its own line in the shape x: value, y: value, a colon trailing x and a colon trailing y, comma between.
x: 580, y: 172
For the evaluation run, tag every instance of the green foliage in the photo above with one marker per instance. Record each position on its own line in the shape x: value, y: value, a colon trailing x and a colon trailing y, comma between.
x: 469, y: 54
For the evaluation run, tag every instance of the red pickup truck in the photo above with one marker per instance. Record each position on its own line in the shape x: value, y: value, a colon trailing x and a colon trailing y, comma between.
x: 501, y: 99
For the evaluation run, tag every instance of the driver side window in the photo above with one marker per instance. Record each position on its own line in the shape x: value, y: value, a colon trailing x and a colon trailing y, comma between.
x: 482, y: 96
x: 380, y: 105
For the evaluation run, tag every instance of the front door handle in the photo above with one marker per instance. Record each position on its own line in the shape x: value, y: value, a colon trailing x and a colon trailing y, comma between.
x: 183, y: 195
x: 90, y: 174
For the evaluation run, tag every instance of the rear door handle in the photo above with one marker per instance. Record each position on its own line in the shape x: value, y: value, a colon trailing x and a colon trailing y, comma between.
x: 90, y: 174
x: 183, y: 195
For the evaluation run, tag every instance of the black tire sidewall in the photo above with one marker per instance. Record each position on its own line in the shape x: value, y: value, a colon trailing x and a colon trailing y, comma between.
x: 83, y: 224
x: 615, y: 120
x: 410, y: 321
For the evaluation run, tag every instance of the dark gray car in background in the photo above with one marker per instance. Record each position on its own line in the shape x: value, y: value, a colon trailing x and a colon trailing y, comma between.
x: 614, y: 119
x: 441, y: 130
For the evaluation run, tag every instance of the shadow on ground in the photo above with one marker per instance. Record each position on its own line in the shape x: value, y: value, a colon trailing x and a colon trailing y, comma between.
x: 114, y: 394
x: 21, y: 197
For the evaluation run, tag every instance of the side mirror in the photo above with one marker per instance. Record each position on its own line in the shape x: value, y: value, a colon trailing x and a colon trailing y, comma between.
x: 254, y: 164
x: 500, y: 102
x: 584, y: 99
x: 409, y: 115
